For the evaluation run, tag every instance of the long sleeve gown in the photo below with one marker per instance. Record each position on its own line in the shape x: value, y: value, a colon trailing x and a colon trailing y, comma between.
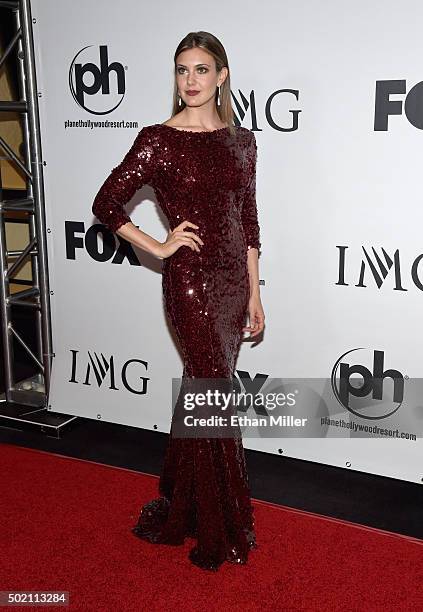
x: 208, y: 178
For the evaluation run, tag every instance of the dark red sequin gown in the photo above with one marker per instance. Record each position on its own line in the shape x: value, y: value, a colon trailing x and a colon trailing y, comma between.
x: 208, y: 178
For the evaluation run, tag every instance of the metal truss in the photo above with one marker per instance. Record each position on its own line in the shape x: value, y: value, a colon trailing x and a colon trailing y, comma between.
x: 23, y: 399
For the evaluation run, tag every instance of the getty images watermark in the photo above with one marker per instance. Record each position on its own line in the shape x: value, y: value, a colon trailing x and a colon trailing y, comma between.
x: 279, y: 408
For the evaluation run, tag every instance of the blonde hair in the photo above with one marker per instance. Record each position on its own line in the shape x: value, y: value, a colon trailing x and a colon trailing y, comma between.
x: 214, y: 47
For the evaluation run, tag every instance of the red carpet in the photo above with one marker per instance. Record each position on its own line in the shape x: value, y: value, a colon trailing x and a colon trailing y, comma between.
x: 65, y: 525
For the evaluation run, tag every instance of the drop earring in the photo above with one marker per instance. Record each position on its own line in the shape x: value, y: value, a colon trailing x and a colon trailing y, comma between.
x: 218, y: 95
x: 180, y: 100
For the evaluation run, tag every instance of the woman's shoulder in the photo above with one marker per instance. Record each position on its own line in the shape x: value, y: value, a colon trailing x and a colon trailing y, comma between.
x: 149, y: 129
x: 249, y: 134
x: 149, y: 135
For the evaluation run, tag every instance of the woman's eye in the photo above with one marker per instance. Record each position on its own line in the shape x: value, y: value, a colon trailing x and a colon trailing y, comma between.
x: 202, y: 70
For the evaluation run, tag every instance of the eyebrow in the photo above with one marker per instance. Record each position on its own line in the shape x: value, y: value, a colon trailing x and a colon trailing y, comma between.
x: 183, y: 65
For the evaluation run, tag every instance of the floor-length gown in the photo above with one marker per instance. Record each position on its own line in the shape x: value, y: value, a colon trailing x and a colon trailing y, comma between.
x: 208, y: 178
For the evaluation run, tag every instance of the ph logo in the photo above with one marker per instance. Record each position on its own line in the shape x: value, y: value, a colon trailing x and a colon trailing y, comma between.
x: 384, y: 107
x: 97, y: 86
x: 378, y: 394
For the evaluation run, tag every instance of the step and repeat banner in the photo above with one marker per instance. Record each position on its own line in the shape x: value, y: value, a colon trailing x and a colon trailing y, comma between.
x: 333, y: 92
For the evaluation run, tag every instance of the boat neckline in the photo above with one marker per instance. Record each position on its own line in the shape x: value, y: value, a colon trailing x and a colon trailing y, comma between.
x: 191, y: 132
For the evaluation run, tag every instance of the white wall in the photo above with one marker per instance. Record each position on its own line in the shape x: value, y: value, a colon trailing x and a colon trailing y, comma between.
x: 335, y: 181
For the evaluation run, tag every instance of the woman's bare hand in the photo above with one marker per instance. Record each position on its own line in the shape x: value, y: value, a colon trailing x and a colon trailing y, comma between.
x: 256, y: 316
x: 179, y: 237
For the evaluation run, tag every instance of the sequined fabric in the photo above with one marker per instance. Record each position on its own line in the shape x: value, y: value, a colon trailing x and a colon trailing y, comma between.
x: 207, y: 178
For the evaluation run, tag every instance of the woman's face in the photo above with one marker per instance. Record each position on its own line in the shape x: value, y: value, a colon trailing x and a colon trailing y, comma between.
x: 196, y: 73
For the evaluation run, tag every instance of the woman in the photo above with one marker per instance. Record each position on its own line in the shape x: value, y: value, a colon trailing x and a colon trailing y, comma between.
x: 203, y: 171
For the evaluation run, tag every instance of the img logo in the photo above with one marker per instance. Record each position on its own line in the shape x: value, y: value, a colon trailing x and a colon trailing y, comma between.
x: 97, y: 86
x: 95, y: 369
x: 377, y: 265
x: 376, y: 394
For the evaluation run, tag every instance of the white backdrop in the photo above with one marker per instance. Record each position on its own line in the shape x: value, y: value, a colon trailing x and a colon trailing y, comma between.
x: 304, y: 77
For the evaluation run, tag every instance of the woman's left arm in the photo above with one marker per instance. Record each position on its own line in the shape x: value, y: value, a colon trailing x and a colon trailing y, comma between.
x: 252, y: 235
